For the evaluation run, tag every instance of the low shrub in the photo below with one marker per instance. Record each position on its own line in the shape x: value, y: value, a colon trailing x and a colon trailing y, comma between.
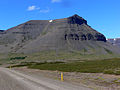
x: 16, y: 58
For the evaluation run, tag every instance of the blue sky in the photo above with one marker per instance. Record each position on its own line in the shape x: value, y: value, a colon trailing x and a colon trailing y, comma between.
x: 102, y: 15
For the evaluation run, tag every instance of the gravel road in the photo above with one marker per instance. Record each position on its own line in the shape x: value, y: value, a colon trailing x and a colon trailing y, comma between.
x: 13, y: 80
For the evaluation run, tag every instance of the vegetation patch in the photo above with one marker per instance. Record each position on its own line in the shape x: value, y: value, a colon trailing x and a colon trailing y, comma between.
x: 52, y: 56
x: 17, y: 58
x: 96, y: 66
x: 109, y: 71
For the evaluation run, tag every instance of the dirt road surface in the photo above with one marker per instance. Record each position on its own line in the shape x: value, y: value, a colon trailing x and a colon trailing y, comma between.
x: 13, y: 80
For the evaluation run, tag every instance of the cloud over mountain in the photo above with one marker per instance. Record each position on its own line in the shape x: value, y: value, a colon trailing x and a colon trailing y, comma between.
x: 32, y: 8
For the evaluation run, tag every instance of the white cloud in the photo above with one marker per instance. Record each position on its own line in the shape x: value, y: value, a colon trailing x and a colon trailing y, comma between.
x: 45, y: 10
x: 32, y: 8
x: 54, y: 1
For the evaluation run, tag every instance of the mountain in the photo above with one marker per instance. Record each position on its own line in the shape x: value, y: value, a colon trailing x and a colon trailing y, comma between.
x: 67, y: 34
x: 114, y: 41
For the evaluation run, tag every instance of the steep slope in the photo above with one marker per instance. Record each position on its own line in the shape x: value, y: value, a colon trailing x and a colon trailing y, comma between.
x: 67, y: 34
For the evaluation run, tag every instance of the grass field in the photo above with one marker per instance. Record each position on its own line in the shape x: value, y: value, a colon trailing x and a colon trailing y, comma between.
x: 110, y: 66
x: 13, y: 58
x: 65, y: 61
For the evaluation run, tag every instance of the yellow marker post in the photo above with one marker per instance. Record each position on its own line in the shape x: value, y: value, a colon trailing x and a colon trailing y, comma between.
x: 62, y: 76
x: 10, y: 67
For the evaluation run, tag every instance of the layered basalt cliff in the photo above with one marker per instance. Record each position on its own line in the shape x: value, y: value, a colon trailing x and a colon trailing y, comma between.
x: 89, y: 34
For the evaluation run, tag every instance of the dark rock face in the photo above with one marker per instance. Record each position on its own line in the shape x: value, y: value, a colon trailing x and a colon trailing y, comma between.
x: 90, y: 36
x: 71, y: 36
x: 72, y: 33
x: 1, y: 30
x: 76, y: 20
x: 97, y: 37
x: 100, y: 37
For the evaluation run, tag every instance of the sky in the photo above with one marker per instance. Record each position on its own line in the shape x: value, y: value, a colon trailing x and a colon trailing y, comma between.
x: 102, y: 15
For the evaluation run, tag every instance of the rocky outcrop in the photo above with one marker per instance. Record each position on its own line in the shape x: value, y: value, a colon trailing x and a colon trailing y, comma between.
x: 77, y: 32
x: 84, y: 37
x: 2, y: 32
x: 75, y: 19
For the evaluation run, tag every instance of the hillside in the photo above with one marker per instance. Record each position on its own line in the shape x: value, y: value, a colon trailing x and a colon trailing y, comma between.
x: 71, y: 34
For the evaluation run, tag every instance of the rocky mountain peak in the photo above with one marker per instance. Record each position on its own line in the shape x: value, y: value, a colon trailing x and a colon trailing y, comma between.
x: 77, y: 16
x: 76, y: 19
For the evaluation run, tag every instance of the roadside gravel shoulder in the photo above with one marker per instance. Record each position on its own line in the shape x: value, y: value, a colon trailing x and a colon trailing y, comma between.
x: 36, y: 82
x: 91, y: 80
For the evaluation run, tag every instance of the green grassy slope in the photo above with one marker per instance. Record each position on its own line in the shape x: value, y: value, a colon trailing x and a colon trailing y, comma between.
x: 52, y: 56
